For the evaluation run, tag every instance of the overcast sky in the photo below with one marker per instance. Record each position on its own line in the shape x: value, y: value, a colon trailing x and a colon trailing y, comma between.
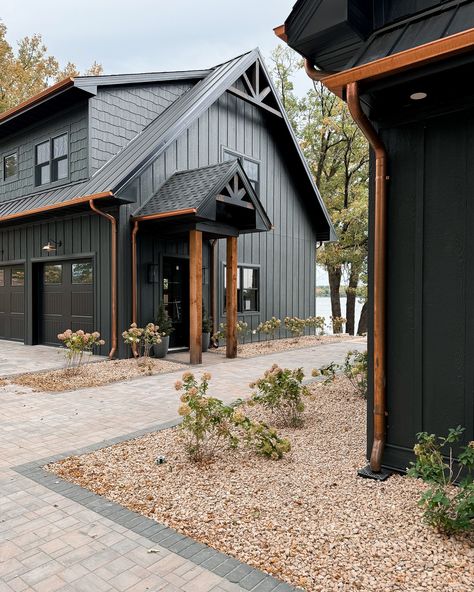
x: 150, y: 35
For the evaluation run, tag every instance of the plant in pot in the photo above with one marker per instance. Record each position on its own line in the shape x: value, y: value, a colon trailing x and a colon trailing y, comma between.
x: 166, y: 328
x: 206, y: 330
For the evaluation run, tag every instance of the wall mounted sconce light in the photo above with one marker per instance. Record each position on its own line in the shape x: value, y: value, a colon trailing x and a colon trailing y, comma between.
x: 51, y: 246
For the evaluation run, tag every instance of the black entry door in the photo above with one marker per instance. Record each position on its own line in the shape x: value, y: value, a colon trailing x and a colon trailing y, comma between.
x: 12, y: 302
x: 66, y: 298
x: 176, y: 298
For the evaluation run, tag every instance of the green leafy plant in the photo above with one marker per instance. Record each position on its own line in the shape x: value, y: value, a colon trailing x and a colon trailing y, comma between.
x: 141, y: 340
x: 209, y: 424
x: 355, y: 370
x: 206, y: 321
x: 163, y: 321
x: 295, y: 326
x: 338, y: 324
x: 78, y: 343
x: 447, y: 508
x: 269, y: 328
x: 328, y: 372
x: 282, y: 392
x: 316, y: 323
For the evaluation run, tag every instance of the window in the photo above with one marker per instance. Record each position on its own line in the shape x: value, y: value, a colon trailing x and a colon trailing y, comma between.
x: 18, y: 276
x: 10, y: 166
x: 53, y: 274
x: 250, y: 166
x: 82, y: 273
x: 2, y: 277
x: 248, y: 288
x: 51, y: 160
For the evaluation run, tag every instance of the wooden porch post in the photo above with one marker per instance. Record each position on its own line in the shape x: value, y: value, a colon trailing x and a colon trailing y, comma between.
x: 231, y: 296
x: 195, y: 297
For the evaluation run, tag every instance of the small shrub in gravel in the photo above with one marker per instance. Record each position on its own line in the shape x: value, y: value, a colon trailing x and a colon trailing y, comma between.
x: 447, y: 508
x: 355, y: 370
x: 209, y: 424
x: 269, y: 328
x: 241, y: 327
x: 78, y: 343
x: 327, y: 372
x: 141, y: 340
x: 295, y: 326
x: 338, y: 324
x: 282, y: 392
x: 316, y: 323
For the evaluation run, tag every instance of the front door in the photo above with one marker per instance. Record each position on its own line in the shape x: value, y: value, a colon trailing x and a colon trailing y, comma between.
x: 176, y: 298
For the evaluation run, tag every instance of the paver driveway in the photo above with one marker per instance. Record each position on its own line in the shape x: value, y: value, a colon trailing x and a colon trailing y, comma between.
x: 49, y: 542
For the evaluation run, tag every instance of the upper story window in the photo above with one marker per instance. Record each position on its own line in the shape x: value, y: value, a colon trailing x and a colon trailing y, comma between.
x: 250, y: 166
x: 10, y: 166
x: 52, y: 160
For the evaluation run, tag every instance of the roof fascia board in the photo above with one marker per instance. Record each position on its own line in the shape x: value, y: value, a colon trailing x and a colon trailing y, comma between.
x: 398, y: 62
x: 86, y: 82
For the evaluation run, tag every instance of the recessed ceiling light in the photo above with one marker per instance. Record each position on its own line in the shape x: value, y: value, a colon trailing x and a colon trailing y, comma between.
x: 418, y: 96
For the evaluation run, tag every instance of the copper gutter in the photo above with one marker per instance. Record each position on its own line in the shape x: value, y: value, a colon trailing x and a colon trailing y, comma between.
x: 57, y: 206
x: 280, y: 32
x: 398, y: 62
x: 166, y: 214
x: 113, y: 273
x: 313, y: 73
x: 380, y: 248
x: 59, y: 86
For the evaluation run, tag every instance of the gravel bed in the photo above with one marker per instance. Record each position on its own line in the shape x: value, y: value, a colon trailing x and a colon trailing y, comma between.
x: 262, y: 348
x: 306, y: 519
x: 93, y: 374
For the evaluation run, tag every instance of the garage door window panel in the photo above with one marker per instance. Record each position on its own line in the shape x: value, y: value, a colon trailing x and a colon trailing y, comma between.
x: 53, y: 274
x: 18, y: 277
x: 82, y: 273
x: 2, y: 278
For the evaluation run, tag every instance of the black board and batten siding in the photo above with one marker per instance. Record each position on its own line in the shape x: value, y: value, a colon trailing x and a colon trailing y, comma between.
x: 83, y: 237
x: 72, y: 121
x: 286, y: 254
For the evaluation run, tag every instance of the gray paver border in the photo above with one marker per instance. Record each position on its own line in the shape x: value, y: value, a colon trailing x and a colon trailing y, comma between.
x: 225, y: 566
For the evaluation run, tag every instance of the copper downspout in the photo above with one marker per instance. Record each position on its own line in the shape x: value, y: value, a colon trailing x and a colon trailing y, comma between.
x: 380, y: 248
x: 213, y: 285
x: 113, y: 273
x: 134, y: 278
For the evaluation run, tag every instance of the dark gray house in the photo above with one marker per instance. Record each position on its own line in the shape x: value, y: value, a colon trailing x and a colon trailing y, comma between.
x: 115, y: 193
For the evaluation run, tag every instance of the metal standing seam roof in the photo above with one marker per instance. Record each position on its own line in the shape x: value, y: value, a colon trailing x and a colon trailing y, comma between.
x: 419, y: 30
x: 161, y: 132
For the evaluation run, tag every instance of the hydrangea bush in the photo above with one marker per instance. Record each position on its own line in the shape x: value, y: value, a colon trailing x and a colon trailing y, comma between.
x: 295, y: 326
x: 78, y: 343
x: 447, y: 508
x: 241, y: 327
x: 316, y: 323
x: 141, y: 340
x: 209, y: 424
x: 269, y: 328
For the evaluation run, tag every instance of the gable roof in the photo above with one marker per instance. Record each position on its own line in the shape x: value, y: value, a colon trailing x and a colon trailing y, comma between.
x: 127, y: 164
x: 195, y: 192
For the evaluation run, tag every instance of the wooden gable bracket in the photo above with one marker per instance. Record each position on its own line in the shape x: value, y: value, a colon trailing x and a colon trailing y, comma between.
x: 235, y: 195
x: 252, y: 80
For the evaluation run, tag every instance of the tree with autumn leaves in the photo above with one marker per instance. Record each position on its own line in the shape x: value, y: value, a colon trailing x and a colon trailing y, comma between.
x: 338, y: 156
x: 28, y: 69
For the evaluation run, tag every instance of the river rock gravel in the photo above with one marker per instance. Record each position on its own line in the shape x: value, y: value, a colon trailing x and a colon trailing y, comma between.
x: 307, y: 519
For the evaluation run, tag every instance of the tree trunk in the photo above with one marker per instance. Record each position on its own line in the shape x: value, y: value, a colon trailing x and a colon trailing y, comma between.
x: 334, y: 274
x: 363, y: 326
x: 351, y: 301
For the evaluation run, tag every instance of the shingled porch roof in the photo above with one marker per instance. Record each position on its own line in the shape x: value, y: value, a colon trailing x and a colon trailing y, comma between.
x: 220, y: 193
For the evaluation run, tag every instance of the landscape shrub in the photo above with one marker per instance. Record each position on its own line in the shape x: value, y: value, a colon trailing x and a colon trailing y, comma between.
x: 164, y: 322
x: 447, y: 508
x: 316, y: 323
x: 141, y: 340
x: 241, y: 328
x: 209, y: 424
x: 355, y: 370
x: 295, y: 326
x: 338, y: 324
x: 78, y: 343
x: 269, y: 328
x: 328, y: 372
x: 282, y: 392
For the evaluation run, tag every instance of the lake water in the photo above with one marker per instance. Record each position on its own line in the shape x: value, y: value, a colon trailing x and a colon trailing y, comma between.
x: 323, y: 309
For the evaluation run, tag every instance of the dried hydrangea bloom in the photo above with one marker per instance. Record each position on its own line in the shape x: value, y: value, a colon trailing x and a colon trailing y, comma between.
x: 178, y: 385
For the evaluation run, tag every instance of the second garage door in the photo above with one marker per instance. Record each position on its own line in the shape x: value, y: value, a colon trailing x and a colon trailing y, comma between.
x: 66, y: 299
x: 12, y: 302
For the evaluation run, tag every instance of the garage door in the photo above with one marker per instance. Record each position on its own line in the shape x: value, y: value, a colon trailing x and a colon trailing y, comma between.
x: 66, y: 299
x: 12, y: 302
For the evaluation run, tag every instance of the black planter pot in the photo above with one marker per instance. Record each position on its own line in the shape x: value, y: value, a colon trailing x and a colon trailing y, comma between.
x: 205, y: 340
x: 161, y: 349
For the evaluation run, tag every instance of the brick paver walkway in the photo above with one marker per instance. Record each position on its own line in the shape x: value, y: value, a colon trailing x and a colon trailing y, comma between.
x: 51, y: 543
